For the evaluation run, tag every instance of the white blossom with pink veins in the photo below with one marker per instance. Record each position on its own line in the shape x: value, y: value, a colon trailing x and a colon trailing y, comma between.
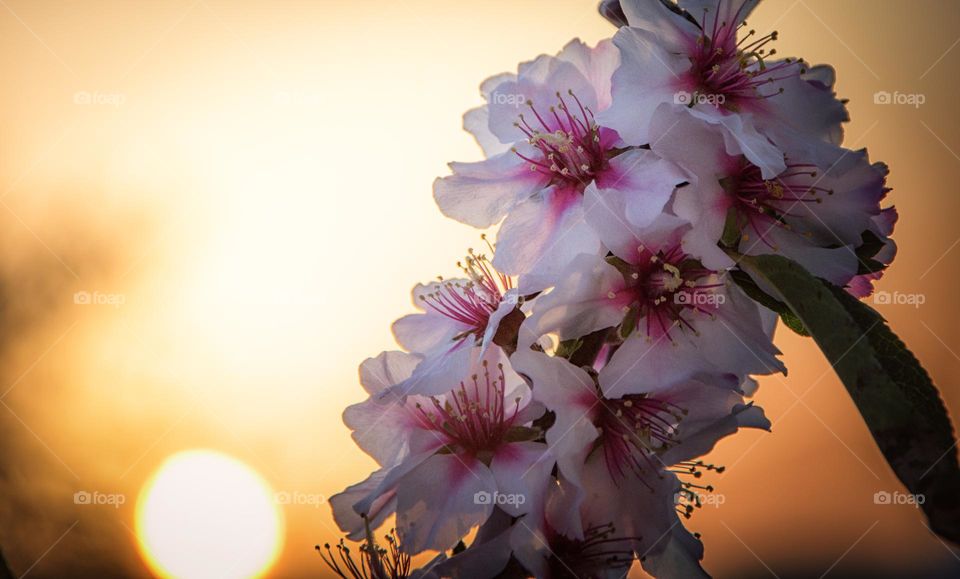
x: 817, y: 218
x: 535, y: 541
x: 678, y: 318
x: 622, y: 453
x: 545, y: 151
x: 456, y: 328
x: 445, y: 459
x: 699, y: 65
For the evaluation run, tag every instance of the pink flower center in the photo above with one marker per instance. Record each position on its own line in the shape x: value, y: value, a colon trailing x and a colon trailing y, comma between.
x: 633, y: 428
x: 474, y: 416
x: 765, y: 204
x: 569, y: 144
x: 471, y: 303
x: 726, y: 72
x: 665, y: 285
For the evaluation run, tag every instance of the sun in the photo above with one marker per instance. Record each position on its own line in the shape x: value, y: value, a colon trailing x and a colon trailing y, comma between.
x: 204, y: 514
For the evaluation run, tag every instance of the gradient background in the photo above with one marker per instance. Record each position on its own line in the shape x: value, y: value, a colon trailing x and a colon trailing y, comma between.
x: 259, y: 193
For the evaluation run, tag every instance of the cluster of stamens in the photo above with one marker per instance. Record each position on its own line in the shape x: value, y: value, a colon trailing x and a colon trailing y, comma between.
x: 568, y: 142
x: 600, y: 550
x: 690, y: 496
x: 373, y: 562
x: 472, y: 302
x: 633, y: 429
x: 665, y: 284
x: 764, y: 204
x: 473, y: 416
x: 724, y: 67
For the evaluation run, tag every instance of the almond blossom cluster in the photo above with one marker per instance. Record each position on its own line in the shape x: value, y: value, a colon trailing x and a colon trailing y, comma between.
x: 551, y: 406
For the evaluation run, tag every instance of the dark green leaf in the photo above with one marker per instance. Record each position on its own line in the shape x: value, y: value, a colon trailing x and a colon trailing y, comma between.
x: 868, y: 249
x: 894, y: 394
x: 751, y: 288
x: 731, y: 229
x: 568, y: 347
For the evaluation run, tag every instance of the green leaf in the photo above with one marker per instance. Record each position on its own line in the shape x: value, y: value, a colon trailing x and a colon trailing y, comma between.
x: 751, y: 288
x: 866, y: 251
x: 894, y: 394
x: 568, y: 347
x: 731, y: 229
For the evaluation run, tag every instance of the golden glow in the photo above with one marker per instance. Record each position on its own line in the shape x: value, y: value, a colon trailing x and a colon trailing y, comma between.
x: 205, y: 514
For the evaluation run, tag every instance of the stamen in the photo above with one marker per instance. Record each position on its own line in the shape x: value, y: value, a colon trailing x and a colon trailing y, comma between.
x: 473, y: 302
x: 568, y: 145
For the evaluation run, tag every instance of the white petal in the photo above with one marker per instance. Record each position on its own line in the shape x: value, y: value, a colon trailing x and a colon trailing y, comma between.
x: 743, y: 134
x: 388, y: 368
x: 647, y: 77
x: 440, y: 371
x: 521, y: 470
x: 423, y: 333
x: 540, y: 237
x: 673, y: 30
x: 348, y: 519
x: 480, y: 194
x: 640, y: 182
x: 645, y: 364
x: 441, y: 500
x: 597, y: 65
x: 477, y: 123
x: 709, y: 12
x: 580, y: 304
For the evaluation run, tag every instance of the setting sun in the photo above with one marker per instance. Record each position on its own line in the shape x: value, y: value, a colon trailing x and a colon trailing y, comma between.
x: 205, y: 514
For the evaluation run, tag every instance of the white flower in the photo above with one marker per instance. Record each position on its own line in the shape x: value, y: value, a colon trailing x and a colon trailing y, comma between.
x: 676, y: 317
x: 546, y: 150
x: 698, y: 65
x: 446, y: 459
x: 456, y: 329
x: 820, y: 219
x: 622, y: 453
